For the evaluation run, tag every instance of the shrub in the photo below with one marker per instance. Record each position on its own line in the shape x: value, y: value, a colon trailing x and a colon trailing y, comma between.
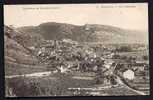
x: 116, y: 56
x: 145, y: 57
x: 124, y: 57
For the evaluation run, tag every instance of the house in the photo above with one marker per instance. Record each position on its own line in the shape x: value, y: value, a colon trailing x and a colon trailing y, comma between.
x: 129, y: 74
x: 140, y: 66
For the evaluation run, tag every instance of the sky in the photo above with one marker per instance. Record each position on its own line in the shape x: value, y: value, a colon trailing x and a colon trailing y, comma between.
x: 128, y: 16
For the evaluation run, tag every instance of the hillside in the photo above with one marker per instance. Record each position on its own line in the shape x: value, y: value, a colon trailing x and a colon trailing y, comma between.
x: 18, y: 56
x: 18, y: 41
x: 86, y: 33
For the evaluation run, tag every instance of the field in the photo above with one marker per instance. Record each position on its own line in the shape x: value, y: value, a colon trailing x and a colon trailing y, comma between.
x: 138, y: 54
x: 56, y: 84
x: 65, y: 85
x: 20, y: 69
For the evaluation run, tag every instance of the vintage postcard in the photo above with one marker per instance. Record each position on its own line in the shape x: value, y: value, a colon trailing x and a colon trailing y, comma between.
x: 76, y: 50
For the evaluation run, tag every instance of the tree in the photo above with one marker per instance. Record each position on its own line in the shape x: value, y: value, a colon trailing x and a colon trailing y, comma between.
x: 145, y: 57
x: 112, y: 80
x: 124, y: 49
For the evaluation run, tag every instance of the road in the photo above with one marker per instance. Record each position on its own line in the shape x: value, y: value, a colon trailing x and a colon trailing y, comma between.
x: 125, y: 85
x: 119, y: 80
x: 38, y: 74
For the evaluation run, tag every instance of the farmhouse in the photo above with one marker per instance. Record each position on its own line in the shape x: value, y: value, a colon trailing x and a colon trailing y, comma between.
x: 129, y: 74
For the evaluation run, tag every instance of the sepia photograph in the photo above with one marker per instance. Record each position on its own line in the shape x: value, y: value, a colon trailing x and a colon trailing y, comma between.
x: 97, y: 49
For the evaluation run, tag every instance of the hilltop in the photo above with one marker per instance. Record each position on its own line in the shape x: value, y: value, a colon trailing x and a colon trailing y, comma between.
x: 86, y: 33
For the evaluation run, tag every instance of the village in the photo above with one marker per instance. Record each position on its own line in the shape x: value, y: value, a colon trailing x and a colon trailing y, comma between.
x: 84, y: 68
x: 104, y: 61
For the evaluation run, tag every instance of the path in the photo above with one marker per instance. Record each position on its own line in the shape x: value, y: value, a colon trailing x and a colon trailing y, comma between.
x: 38, y: 74
x: 122, y: 83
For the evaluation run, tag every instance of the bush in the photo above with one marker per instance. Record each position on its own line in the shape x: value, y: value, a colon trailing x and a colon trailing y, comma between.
x: 124, y: 57
x: 21, y: 87
x: 112, y: 80
x: 116, y: 56
x: 145, y: 57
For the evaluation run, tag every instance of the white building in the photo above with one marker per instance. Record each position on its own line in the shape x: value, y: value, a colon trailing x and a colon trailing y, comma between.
x: 128, y: 74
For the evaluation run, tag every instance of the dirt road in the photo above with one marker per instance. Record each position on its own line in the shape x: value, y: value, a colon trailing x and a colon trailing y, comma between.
x: 38, y: 74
